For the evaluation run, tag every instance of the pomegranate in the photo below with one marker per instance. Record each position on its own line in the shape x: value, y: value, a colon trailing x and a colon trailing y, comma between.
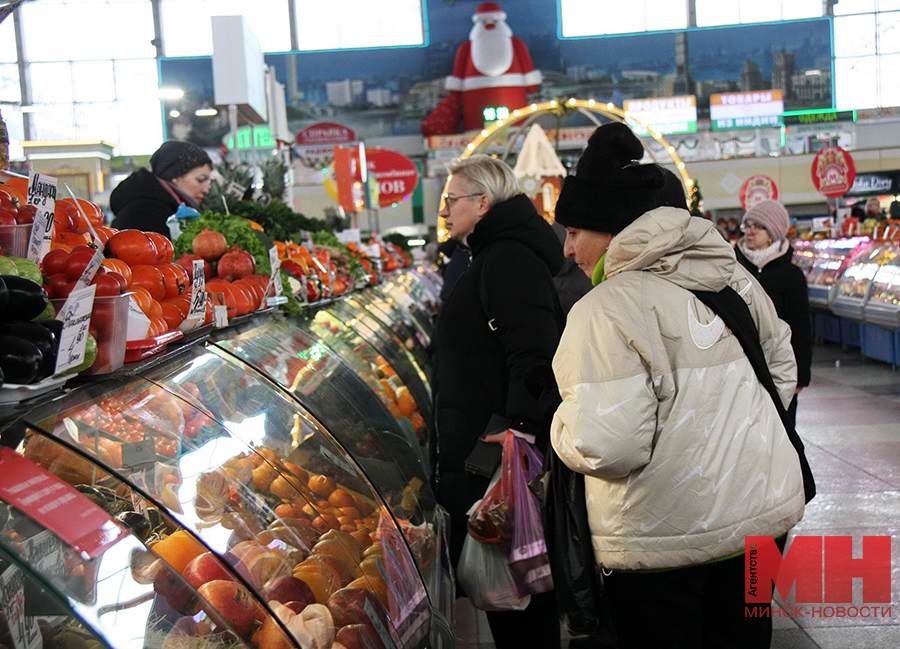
x: 236, y: 264
x: 209, y: 244
x: 187, y: 262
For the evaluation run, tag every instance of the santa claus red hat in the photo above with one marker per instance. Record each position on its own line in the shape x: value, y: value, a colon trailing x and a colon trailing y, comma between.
x: 489, y: 11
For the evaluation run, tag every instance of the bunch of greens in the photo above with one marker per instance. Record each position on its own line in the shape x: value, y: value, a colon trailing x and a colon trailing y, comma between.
x: 278, y: 220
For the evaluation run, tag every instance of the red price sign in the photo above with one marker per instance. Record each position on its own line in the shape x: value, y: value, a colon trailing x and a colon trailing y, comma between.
x: 833, y: 172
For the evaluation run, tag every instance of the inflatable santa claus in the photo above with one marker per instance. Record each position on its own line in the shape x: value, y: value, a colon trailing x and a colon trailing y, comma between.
x: 492, y: 68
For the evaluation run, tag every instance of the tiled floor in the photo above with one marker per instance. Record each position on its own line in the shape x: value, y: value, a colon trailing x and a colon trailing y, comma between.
x: 849, y: 419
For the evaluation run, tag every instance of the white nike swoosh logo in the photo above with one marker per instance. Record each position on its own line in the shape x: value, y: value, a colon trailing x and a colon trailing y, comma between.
x: 701, y: 372
x: 602, y: 412
x: 760, y: 477
x: 698, y: 526
x: 650, y: 528
x: 780, y: 489
x: 704, y: 335
x: 696, y: 471
x: 708, y: 430
x: 690, y: 414
x: 605, y: 522
x: 718, y: 485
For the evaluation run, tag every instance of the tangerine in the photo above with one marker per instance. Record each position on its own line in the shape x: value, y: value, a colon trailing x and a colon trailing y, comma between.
x: 322, y: 485
x: 178, y: 549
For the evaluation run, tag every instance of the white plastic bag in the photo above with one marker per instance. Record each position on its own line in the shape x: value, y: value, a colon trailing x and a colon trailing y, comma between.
x: 483, y: 572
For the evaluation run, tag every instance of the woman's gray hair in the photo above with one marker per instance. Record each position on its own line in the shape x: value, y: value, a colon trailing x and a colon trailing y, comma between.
x: 489, y: 175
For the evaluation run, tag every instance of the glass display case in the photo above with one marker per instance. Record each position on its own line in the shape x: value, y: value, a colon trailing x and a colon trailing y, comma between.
x: 418, y: 290
x: 853, y: 285
x: 201, y: 456
x: 824, y: 262
x: 883, y: 305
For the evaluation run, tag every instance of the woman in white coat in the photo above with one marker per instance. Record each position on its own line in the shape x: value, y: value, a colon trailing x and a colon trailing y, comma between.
x: 682, y: 448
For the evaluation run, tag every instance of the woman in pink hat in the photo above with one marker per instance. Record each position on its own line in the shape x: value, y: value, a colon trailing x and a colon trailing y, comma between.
x: 765, y: 251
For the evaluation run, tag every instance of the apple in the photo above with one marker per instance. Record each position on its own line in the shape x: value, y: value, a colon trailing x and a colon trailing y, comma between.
x: 284, y: 589
x: 232, y: 601
x: 348, y: 606
x: 170, y: 586
x: 359, y: 636
x: 203, y: 568
x: 270, y: 636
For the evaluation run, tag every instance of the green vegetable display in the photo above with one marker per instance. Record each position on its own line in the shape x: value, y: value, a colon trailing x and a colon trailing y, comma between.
x: 278, y: 220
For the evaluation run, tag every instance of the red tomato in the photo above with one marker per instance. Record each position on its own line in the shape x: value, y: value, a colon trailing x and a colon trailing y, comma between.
x: 172, y: 315
x: 102, y: 317
x: 54, y: 262
x: 91, y: 210
x: 164, y: 248
x: 7, y: 217
x: 177, y: 278
x: 77, y: 262
x: 148, y: 277
x: 25, y: 214
x: 133, y: 247
x: 120, y: 280
x: 107, y: 284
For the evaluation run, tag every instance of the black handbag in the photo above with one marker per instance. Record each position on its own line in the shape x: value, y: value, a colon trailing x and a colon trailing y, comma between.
x: 735, y: 313
x: 578, y: 584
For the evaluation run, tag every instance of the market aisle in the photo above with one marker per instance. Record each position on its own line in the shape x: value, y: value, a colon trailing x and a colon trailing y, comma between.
x: 849, y: 419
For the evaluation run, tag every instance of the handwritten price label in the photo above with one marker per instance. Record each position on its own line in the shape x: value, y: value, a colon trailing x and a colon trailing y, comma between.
x: 197, y: 313
x: 42, y: 196
x: 76, y: 317
x: 275, y: 278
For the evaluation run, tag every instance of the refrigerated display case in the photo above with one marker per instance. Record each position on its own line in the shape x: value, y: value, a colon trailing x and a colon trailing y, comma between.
x: 853, y: 285
x: 883, y: 305
x: 824, y: 262
x: 268, y: 449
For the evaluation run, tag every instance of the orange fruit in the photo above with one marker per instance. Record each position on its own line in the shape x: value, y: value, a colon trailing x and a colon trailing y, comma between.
x: 179, y: 549
x: 340, y: 498
x: 322, y: 485
x: 319, y: 579
x: 264, y: 475
x: 405, y: 402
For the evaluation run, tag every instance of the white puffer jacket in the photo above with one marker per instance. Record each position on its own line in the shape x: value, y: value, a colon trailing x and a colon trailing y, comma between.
x: 683, y: 450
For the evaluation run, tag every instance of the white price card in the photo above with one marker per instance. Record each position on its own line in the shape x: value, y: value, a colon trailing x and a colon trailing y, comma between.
x: 24, y: 630
x: 275, y: 279
x: 138, y: 322
x: 42, y: 196
x: 197, y: 312
x: 76, y: 317
x: 90, y: 270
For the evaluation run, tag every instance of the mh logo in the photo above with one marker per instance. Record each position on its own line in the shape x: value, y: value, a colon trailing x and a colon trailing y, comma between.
x: 821, y: 567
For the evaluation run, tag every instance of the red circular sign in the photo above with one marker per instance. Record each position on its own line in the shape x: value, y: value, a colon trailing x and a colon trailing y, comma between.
x: 833, y: 172
x: 758, y: 188
x: 396, y: 174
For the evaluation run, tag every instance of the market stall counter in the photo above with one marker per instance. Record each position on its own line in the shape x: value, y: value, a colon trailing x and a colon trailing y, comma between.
x: 213, y: 485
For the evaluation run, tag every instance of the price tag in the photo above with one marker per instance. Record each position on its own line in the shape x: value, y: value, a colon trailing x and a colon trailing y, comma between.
x: 197, y: 312
x: 90, y: 270
x: 76, y: 317
x: 138, y: 322
x: 42, y: 196
x: 275, y: 279
x: 220, y: 310
x: 24, y: 630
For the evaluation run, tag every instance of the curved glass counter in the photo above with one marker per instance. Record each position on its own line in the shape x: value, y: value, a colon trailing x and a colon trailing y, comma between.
x: 238, y: 466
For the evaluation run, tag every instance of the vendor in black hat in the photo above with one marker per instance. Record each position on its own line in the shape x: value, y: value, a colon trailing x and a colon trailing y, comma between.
x: 179, y: 173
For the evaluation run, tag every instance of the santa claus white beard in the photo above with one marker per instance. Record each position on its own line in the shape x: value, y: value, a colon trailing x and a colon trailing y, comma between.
x: 492, y: 49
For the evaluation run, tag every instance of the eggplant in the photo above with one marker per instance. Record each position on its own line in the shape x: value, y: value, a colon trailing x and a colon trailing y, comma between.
x: 26, y: 298
x: 43, y: 337
x: 4, y: 294
x: 20, y: 359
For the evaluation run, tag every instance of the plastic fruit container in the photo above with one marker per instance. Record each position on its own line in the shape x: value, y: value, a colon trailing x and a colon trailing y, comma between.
x: 14, y: 240
x: 109, y: 325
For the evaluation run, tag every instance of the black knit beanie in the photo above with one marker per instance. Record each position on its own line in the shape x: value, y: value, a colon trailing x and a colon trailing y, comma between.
x: 175, y: 158
x: 609, y: 189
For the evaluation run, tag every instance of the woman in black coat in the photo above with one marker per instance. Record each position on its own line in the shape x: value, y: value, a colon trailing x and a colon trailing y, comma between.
x: 765, y: 251
x: 179, y: 173
x: 502, y: 317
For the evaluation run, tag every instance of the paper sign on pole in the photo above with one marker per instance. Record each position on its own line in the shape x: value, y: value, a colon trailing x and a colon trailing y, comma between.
x: 41, y: 196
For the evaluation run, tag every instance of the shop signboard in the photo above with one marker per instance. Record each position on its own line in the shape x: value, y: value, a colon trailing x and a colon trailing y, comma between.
x: 876, y: 183
x: 833, y: 172
x: 396, y: 174
x: 314, y: 145
x: 664, y: 115
x: 731, y: 110
x: 758, y: 188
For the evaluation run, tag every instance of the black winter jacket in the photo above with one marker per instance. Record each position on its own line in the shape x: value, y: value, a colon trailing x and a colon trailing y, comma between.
x: 142, y: 202
x: 785, y: 284
x: 479, y: 371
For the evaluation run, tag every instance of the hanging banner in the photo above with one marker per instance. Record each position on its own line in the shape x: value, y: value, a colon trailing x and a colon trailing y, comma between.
x: 758, y: 188
x: 833, y: 172
x: 396, y: 174
x: 315, y: 144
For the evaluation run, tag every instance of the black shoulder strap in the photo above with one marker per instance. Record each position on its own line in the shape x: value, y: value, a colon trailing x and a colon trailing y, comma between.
x: 730, y: 306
